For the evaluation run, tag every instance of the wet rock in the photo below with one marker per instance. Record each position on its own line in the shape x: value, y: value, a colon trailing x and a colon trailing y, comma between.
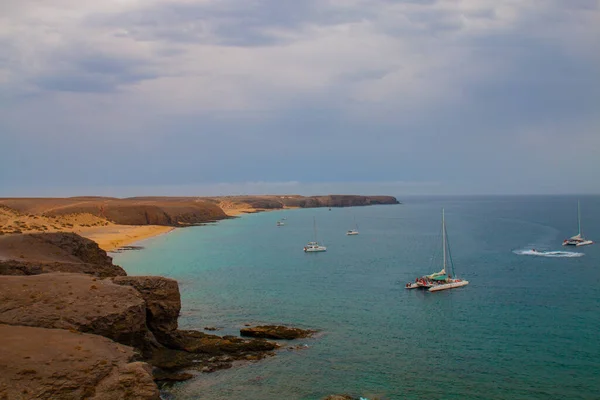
x: 210, y: 328
x: 276, y: 332
x: 163, y: 302
x: 57, y: 364
x: 74, y: 302
x: 163, y: 376
x: 199, y: 342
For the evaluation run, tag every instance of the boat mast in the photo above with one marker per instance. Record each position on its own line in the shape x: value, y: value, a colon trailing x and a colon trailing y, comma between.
x: 315, y: 228
x: 578, y: 218
x: 444, y: 238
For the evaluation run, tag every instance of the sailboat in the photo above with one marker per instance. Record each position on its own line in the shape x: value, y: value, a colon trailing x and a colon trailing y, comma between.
x: 313, y: 247
x: 440, y: 280
x: 354, y: 231
x: 577, y: 240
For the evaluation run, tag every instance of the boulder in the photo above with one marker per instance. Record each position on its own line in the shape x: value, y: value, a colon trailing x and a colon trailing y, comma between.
x: 77, y: 302
x: 276, y: 332
x: 57, y: 364
x: 163, y: 302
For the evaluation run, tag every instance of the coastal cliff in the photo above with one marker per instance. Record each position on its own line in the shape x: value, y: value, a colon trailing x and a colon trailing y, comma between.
x: 25, y: 215
x: 105, y: 334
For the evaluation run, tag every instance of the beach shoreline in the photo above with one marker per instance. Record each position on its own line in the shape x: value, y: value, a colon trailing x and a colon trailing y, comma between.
x: 112, y: 237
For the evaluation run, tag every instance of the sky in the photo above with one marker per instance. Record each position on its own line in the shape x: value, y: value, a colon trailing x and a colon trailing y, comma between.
x: 206, y: 97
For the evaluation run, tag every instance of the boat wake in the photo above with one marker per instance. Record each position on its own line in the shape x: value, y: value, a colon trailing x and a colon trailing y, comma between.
x: 556, y: 254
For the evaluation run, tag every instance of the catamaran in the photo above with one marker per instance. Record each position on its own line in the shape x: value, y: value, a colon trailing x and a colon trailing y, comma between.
x: 577, y: 240
x: 354, y: 231
x: 440, y: 280
x: 314, y: 246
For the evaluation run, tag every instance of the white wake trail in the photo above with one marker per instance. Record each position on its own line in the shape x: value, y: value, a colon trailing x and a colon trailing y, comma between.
x: 555, y: 254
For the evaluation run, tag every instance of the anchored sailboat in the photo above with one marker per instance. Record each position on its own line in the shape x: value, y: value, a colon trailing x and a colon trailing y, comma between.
x: 577, y: 240
x: 313, y: 247
x: 440, y: 280
x: 354, y: 231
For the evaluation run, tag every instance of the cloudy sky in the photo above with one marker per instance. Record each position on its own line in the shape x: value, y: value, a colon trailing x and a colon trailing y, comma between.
x: 126, y: 97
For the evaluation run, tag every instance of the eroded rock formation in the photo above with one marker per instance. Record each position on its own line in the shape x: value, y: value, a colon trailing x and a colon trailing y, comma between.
x: 57, y: 364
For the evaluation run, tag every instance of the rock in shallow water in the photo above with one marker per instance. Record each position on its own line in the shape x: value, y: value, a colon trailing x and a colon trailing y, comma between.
x: 276, y: 332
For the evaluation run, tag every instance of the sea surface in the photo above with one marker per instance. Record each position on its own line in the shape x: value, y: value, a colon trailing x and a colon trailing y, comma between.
x: 526, y: 327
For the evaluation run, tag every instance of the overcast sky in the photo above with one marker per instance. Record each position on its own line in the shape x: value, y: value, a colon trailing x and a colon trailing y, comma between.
x: 126, y: 97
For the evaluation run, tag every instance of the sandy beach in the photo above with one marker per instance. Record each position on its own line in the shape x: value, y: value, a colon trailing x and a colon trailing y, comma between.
x: 114, y: 236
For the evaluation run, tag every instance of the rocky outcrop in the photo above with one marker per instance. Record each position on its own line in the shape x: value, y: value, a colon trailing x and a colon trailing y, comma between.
x: 57, y: 364
x: 76, y: 302
x: 276, y: 332
x: 32, y: 254
x: 339, y: 397
x: 163, y: 302
x: 206, y: 353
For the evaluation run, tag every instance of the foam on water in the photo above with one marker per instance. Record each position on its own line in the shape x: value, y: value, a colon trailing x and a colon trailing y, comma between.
x: 554, y: 254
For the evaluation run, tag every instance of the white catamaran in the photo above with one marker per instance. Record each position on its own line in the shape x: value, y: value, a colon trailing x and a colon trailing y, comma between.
x: 313, y: 247
x: 577, y: 240
x: 440, y: 280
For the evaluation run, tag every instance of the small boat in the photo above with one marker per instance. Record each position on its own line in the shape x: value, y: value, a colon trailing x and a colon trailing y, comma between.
x: 579, y: 239
x: 354, y: 231
x: 280, y: 223
x: 440, y: 280
x: 314, y: 246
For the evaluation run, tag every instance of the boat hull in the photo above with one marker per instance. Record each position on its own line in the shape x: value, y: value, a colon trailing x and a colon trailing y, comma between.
x: 450, y: 285
x: 315, y: 249
x: 577, y: 243
x: 351, y: 233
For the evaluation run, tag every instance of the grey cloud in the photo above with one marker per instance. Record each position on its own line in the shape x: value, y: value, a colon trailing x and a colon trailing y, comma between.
x: 229, y: 23
x: 93, y: 73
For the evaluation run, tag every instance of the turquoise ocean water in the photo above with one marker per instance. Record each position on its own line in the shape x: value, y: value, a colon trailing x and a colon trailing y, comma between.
x: 526, y: 327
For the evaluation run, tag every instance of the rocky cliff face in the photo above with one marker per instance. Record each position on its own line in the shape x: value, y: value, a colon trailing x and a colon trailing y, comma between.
x: 52, y: 252
x: 38, y: 363
x: 162, y: 299
x: 159, y: 211
x: 337, y: 201
x: 77, y: 302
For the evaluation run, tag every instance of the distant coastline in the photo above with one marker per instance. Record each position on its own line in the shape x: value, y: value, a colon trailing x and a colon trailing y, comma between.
x: 114, y: 223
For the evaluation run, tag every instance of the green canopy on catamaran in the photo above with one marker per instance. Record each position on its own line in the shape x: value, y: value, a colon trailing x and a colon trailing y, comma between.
x: 440, y: 278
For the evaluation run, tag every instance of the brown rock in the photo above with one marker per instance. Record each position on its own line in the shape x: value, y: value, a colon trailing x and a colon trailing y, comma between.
x: 54, y: 252
x: 57, y: 364
x: 74, y: 301
x: 163, y: 302
x: 166, y: 376
x: 339, y: 397
x: 276, y: 332
x: 199, y: 342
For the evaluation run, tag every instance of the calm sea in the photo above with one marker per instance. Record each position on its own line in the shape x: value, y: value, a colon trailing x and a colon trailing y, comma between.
x: 526, y: 327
